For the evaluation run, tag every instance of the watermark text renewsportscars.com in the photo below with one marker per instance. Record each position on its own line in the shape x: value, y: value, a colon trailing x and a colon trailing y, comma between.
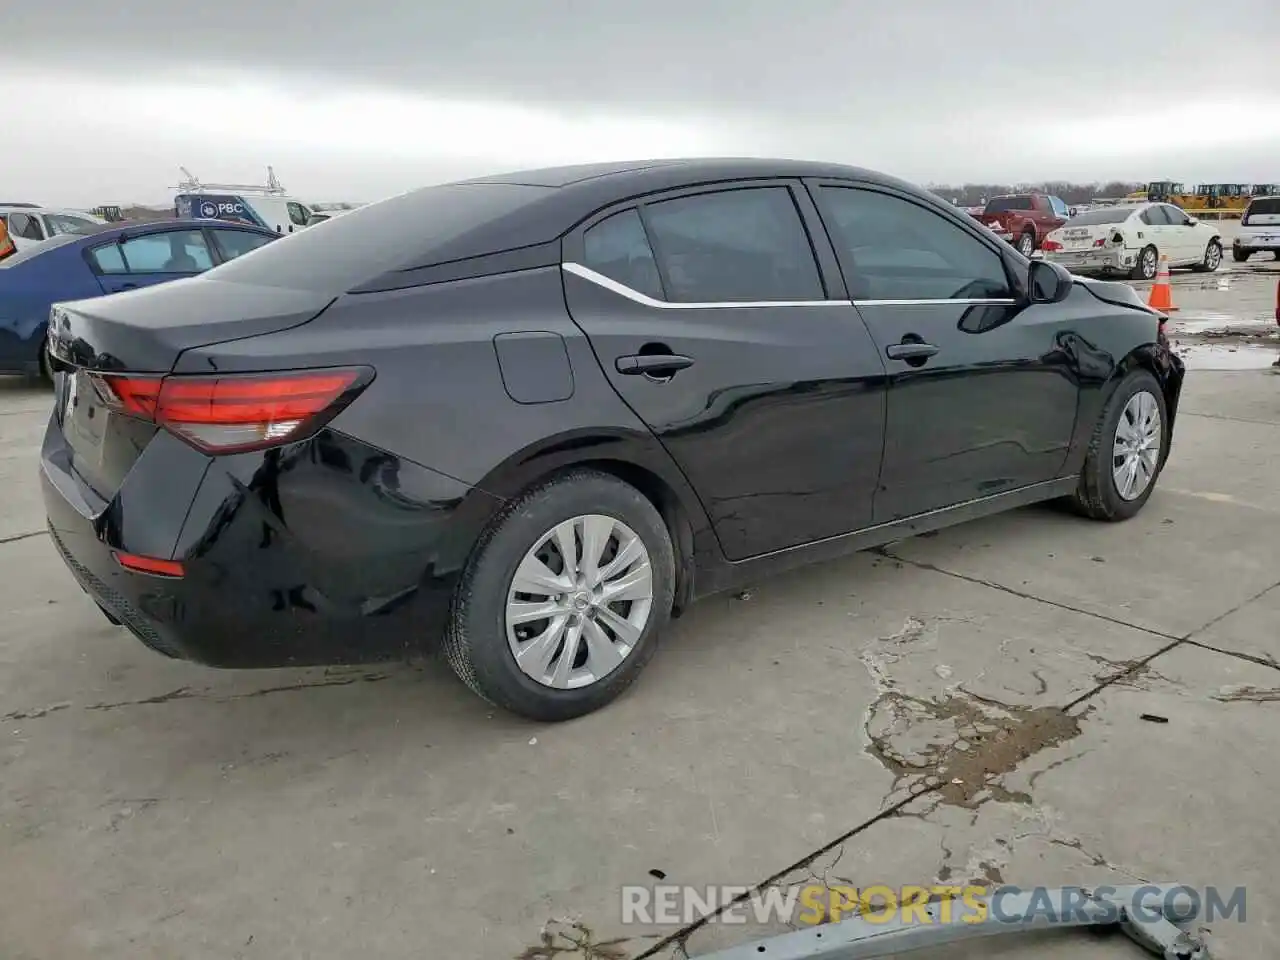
x: 671, y: 904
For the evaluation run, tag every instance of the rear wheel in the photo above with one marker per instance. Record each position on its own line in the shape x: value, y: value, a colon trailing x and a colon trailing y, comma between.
x: 1126, y: 453
x: 560, y: 606
x: 1145, y: 268
x: 46, y: 367
x: 1027, y: 243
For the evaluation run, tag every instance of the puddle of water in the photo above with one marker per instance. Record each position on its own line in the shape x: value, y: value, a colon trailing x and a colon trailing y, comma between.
x: 1218, y: 356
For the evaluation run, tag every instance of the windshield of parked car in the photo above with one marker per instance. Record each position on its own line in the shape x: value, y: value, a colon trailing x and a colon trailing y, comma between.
x: 30, y: 253
x: 1107, y: 215
x: 1001, y: 204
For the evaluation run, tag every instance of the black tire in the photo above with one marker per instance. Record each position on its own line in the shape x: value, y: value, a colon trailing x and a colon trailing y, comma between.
x: 1027, y: 243
x: 46, y: 371
x: 475, y: 642
x: 1148, y: 264
x: 1212, y: 258
x: 1096, y: 496
x: 1277, y: 254
x: 1240, y: 256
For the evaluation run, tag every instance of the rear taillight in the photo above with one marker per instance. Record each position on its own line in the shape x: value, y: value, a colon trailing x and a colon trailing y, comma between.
x: 233, y: 414
x: 155, y: 566
x: 1100, y: 242
x: 1278, y: 302
x: 1050, y: 245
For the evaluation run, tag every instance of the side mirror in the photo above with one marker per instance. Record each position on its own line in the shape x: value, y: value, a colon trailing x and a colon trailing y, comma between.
x: 1071, y: 212
x: 1192, y: 221
x: 1048, y: 282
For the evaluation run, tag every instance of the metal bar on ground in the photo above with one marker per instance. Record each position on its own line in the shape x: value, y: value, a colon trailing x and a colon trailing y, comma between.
x: 951, y: 922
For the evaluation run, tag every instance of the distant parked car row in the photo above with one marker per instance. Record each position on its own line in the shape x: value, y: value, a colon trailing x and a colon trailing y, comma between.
x: 96, y: 259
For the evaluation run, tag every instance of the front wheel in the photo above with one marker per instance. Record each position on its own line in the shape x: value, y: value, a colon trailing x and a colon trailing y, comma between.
x: 560, y: 606
x: 1127, y: 451
x: 1212, y: 258
x: 1027, y: 243
x: 1145, y: 268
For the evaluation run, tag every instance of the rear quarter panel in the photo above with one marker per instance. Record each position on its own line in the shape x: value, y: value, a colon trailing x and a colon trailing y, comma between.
x: 439, y: 398
x: 28, y: 290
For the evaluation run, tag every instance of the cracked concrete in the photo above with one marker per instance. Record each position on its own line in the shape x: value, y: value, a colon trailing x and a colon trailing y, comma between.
x: 981, y: 705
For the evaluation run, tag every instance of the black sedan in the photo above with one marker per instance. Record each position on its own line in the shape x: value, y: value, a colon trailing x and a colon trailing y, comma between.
x: 533, y: 416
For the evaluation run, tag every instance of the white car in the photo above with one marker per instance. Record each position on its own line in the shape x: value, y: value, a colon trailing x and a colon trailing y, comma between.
x: 29, y: 224
x: 1132, y: 239
x: 1259, y: 229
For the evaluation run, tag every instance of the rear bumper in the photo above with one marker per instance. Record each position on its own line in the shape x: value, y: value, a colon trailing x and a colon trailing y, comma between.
x: 325, y: 552
x: 1104, y: 260
x: 1269, y: 241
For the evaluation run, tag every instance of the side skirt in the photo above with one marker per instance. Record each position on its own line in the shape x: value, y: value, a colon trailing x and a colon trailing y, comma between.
x: 728, y: 574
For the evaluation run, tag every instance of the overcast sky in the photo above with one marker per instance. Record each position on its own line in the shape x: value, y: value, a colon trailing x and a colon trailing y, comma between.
x: 101, y: 102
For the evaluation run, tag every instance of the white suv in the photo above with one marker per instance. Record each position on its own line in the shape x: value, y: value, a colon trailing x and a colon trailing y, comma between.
x: 29, y: 224
x: 1259, y: 229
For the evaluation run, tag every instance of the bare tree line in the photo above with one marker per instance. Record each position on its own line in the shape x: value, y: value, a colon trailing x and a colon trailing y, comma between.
x: 971, y: 194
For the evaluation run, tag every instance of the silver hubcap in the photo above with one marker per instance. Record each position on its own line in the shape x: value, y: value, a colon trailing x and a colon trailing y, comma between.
x: 1136, y: 452
x: 579, y: 602
x: 1027, y: 244
x: 1149, y: 263
x: 1213, y: 257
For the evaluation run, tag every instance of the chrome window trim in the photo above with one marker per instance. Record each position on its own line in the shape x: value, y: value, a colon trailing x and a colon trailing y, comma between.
x: 599, y: 279
x: 622, y: 290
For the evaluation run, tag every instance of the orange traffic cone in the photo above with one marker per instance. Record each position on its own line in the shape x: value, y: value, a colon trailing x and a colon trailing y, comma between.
x: 1161, y: 293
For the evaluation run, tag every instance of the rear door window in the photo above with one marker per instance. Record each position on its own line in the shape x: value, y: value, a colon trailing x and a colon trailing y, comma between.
x: 236, y: 243
x: 178, y: 251
x: 734, y: 246
x: 618, y: 248
x: 893, y: 249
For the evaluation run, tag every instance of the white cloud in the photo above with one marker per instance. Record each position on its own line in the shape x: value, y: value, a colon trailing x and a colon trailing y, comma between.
x: 78, y: 137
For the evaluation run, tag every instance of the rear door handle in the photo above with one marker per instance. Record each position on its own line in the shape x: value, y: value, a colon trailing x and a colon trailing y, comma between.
x: 910, y: 351
x: 652, y: 364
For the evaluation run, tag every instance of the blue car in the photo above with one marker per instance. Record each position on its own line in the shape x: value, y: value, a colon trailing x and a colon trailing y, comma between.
x: 100, y: 261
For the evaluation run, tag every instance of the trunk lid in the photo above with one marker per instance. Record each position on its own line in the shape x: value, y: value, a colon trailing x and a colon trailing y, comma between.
x: 144, y: 332
x: 1079, y: 238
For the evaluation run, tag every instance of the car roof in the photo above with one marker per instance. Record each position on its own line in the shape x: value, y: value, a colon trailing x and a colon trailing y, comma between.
x: 573, y: 193
x: 384, y: 244
x: 36, y: 208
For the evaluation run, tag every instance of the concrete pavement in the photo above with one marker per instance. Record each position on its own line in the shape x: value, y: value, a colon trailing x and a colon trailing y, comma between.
x: 961, y: 706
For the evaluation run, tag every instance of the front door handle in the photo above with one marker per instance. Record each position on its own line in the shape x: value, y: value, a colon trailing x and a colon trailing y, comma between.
x: 652, y: 364
x: 910, y: 351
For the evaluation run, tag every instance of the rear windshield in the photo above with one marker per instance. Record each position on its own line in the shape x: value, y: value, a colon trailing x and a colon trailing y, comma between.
x: 1001, y: 204
x: 26, y: 253
x: 1269, y: 205
x: 1104, y: 215
x: 344, y: 252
